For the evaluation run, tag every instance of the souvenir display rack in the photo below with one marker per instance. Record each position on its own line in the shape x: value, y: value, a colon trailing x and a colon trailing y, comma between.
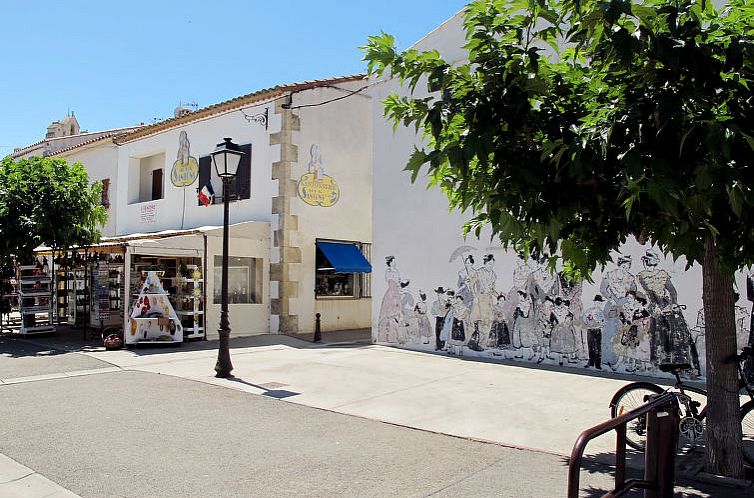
x: 153, y: 319
x: 36, y: 303
x: 189, y: 302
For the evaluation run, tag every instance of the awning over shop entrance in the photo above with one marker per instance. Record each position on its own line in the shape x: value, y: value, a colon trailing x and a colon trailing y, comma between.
x: 345, y: 258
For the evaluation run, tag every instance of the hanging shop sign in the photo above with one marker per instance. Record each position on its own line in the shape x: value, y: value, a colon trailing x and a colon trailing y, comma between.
x: 315, y: 187
x: 185, y: 168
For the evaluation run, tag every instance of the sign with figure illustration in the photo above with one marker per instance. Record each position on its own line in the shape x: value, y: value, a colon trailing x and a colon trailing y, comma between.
x: 315, y: 187
x: 185, y: 168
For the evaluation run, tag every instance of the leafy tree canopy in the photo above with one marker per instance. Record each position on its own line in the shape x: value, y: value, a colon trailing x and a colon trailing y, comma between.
x: 47, y: 201
x: 576, y: 124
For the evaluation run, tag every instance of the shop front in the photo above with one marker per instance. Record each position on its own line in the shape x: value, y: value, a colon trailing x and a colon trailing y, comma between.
x: 159, y: 287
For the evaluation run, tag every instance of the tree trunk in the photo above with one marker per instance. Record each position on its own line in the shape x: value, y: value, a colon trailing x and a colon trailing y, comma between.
x: 724, y: 455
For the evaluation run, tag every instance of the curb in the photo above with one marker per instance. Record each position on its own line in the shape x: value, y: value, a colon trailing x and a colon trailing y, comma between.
x: 19, y: 481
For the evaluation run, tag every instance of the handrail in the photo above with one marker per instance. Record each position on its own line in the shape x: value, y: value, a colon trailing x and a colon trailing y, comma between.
x: 619, y: 425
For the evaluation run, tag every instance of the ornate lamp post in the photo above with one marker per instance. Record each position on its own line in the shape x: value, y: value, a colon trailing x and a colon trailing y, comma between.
x: 226, y: 158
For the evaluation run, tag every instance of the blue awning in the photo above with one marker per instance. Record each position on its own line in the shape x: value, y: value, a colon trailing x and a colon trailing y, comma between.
x: 345, y: 258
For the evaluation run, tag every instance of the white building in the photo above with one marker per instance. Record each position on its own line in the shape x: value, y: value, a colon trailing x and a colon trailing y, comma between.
x: 300, y: 206
x: 651, y: 307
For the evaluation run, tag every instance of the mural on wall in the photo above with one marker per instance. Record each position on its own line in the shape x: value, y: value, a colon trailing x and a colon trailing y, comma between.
x: 632, y: 324
x: 315, y: 187
x: 185, y: 168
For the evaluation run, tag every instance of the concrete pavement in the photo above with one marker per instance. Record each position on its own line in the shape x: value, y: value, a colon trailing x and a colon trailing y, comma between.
x: 141, y: 434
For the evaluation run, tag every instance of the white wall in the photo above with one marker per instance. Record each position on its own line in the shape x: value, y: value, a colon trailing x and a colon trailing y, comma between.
x: 250, y: 240
x: 99, y: 159
x: 178, y: 208
x: 342, y: 131
x: 413, y: 224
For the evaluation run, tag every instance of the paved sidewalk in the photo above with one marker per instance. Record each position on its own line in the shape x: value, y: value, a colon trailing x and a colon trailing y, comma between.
x: 515, y: 405
x: 19, y: 481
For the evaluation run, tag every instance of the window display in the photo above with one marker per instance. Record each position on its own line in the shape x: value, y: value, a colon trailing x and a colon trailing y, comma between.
x: 244, y: 280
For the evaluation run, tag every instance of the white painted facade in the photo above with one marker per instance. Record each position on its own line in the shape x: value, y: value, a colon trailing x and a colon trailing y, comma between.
x: 413, y: 225
x: 339, y: 128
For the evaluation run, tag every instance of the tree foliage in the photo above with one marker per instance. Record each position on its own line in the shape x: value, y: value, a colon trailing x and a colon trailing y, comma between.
x: 576, y: 124
x: 45, y: 201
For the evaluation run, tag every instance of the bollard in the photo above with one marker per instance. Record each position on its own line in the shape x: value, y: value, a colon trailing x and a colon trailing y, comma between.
x: 317, y: 330
x: 662, y: 440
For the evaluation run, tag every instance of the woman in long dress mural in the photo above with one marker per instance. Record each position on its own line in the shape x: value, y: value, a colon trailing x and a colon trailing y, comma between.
x: 390, y: 310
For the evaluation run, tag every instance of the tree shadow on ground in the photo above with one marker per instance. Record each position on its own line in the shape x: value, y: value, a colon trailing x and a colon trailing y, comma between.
x: 689, y: 463
x: 10, y: 347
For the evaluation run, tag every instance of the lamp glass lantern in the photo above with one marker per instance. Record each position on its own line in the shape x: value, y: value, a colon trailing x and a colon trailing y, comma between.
x: 226, y: 158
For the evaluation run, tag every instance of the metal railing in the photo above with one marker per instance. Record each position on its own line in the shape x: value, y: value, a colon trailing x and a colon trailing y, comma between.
x: 662, y: 418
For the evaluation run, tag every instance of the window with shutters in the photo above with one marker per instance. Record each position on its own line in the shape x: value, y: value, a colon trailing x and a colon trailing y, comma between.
x: 240, y: 188
x: 146, y: 179
x: 105, y: 196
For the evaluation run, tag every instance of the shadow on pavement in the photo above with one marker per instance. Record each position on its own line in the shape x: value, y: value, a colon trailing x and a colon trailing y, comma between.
x: 688, y: 464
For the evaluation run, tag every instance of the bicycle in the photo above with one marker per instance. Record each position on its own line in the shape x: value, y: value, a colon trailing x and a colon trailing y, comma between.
x: 693, y: 414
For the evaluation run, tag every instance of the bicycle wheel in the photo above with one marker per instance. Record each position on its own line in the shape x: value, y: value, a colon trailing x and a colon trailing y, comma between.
x: 629, y: 398
x: 747, y: 428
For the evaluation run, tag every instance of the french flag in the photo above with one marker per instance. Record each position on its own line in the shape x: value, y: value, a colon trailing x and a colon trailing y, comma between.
x: 206, y: 194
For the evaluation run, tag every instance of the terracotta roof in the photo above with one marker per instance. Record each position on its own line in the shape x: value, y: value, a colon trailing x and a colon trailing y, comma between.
x: 110, y: 134
x: 236, y: 103
x: 97, y: 135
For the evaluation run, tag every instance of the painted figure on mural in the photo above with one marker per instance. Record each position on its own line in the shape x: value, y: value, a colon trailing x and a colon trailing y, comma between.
x: 570, y: 290
x: 593, y: 320
x: 440, y: 307
x: 315, y: 163
x: 544, y: 327
x: 447, y: 326
x: 482, y: 286
x: 466, y: 278
x: 420, y: 310
x: 499, y: 339
x: 563, y: 340
x: 748, y: 366
x: 390, y: 309
x: 408, y: 329
x: 615, y: 286
x: 633, y: 343
x: 458, y: 334
x: 666, y: 329
x: 524, y: 327
x: 521, y: 273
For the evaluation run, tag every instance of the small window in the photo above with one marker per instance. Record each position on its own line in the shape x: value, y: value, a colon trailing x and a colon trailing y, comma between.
x: 244, y: 280
x: 105, y: 199
x: 340, y: 270
x: 145, y: 178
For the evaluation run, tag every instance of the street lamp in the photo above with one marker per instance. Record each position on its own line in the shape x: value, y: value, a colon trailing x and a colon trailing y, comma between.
x: 226, y: 158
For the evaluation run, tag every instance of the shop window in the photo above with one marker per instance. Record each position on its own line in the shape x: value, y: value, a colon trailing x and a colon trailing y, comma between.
x: 244, y: 280
x: 340, y: 270
x: 239, y: 189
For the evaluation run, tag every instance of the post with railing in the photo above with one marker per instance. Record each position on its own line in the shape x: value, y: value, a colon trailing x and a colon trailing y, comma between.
x: 317, y: 329
x: 662, y: 420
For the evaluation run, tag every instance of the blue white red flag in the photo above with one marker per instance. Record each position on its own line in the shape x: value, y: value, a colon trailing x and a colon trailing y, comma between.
x: 206, y: 194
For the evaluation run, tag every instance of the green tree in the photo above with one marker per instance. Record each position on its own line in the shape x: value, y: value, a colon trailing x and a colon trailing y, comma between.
x: 45, y: 201
x: 578, y: 123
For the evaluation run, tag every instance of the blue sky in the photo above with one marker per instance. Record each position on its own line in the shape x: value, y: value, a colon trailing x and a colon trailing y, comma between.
x: 123, y: 63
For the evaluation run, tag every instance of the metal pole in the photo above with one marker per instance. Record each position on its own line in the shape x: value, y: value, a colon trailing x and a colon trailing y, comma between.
x: 224, y: 367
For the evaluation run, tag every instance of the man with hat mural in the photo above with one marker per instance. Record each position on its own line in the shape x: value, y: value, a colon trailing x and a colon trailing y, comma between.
x: 439, y: 309
x: 593, y: 320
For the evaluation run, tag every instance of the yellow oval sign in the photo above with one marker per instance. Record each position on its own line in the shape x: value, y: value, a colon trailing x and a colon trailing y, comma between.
x: 323, y: 191
x: 184, y: 173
